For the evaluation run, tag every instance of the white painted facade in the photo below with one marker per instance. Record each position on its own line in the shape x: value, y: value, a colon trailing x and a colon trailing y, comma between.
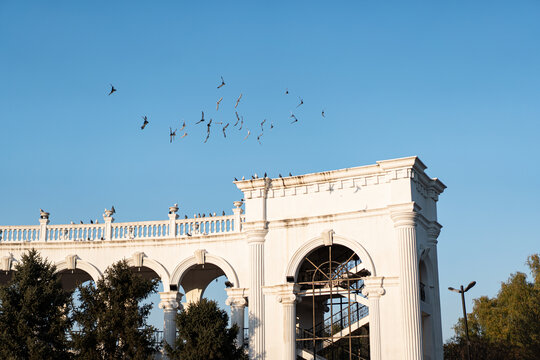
x: 385, y: 213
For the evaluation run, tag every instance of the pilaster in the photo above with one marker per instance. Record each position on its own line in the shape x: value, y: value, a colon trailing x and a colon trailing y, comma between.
x: 433, y: 233
x: 255, y: 236
x: 404, y: 217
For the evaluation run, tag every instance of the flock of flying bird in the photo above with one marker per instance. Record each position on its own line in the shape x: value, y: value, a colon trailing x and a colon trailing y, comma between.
x: 210, y: 122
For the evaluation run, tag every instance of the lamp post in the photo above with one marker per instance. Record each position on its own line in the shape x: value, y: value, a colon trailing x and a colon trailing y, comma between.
x: 462, y: 291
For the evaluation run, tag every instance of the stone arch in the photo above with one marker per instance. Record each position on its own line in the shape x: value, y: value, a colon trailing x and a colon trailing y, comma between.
x: 78, y: 268
x: 296, y: 260
x: 153, y: 265
x: 186, y: 264
x: 87, y: 267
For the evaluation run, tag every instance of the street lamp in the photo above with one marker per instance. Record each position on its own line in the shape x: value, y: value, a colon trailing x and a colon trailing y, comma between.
x: 462, y: 292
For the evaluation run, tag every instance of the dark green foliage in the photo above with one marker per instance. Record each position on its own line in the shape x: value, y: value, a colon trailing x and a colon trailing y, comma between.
x: 203, y: 334
x: 33, y: 312
x: 111, y: 321
x: 506, y: 326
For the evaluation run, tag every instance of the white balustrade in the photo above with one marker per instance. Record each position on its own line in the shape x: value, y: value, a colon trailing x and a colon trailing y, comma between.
x: 19, y: 233
x: 206, y: 226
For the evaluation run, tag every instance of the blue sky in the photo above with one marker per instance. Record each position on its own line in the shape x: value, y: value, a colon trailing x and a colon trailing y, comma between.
x: 454, y: 83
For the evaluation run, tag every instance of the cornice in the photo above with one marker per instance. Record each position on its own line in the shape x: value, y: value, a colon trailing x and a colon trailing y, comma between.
x: 384, y: 171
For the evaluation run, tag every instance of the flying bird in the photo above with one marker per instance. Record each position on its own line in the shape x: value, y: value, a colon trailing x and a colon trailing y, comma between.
x: 271, y: 126
x: 322, y: 113
x: 238, y: 100
x: 295, y: 119
x: 183, y: 136
x: 112, y: 89
x: 301, y: 101
x: 262, y: 124
x: 249, y: 132
x: 113, y: 210
x: 183, y: 126
x: 224, y: 128
x: 145, y: 118
x: 237, y: 119
x: 287, y: 91
x: 259, y: 138
x: 222, y: 83
x: 217, y: 104
x: 172, y: 134
x: 241, y: 123
x: 202, y: 119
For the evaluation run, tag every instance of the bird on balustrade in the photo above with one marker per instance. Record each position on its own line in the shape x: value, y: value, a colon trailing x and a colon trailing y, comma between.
x: 223, y: 213
x: 112, y: 89
x: 145, y: 118
x: 81, y: 222
x: 91, y: 221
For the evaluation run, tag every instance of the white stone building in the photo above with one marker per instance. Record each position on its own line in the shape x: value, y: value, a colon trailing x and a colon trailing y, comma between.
x: 334, y: 265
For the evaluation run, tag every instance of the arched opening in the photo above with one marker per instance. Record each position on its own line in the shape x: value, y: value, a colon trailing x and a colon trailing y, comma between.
x: 332, y: 318
x: 155, y: 318
x: 71, y: 278
x: 5, y: 277
x: 211, y: 280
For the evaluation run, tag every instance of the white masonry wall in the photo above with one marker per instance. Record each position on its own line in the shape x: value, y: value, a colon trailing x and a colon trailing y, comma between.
x: 385, y: 212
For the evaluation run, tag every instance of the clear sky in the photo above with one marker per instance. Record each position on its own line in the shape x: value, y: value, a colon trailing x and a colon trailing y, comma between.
x: 456, y: 83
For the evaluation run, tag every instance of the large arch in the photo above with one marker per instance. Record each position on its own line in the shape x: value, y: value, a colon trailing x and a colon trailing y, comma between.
x: 87, y: 267
x: 153, y: 265
x: 294, y: 264
x: 186, y: 264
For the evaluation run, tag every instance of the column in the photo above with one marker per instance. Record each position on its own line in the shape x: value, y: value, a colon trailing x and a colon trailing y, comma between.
x: 170, y: 302
x: 433, y: 233
x: 288, y: 298
x: 373, y: 290
x: 255, y: 239
x: 405, y: 231
x: 237, y: 302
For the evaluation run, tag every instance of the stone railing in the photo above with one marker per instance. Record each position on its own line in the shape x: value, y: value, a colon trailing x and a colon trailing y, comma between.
x: 109, y: 230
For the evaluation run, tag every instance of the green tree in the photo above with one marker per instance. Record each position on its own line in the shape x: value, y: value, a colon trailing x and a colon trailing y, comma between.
x: 111, y: 320
x: 34, y: 312
x: 510, y: 321
x: 203, y: 334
